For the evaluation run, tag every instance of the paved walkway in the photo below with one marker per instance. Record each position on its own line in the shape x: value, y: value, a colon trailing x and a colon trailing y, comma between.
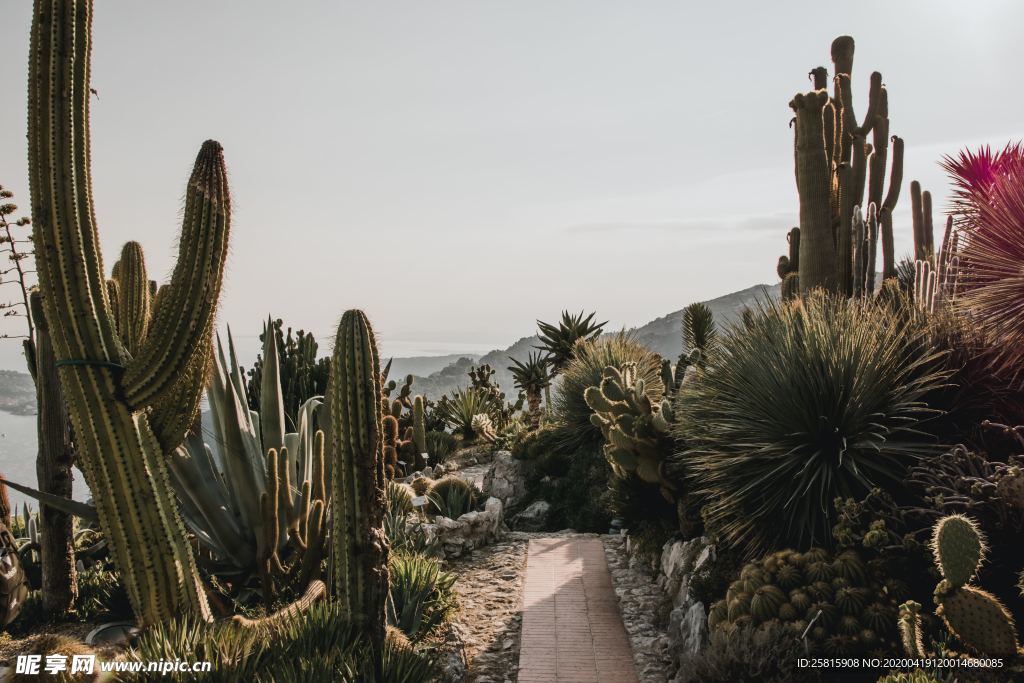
x: 572, y: 630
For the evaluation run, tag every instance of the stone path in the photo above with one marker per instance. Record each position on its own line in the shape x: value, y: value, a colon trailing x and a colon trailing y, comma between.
x: 572, y: 630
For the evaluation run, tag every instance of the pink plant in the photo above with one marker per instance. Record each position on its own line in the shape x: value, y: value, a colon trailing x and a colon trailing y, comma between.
x: 988, y: 199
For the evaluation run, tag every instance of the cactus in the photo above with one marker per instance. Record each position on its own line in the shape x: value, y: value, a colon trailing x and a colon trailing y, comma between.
x: 533, y: 378
x: 124, y: 407
x: 359, y: 546
x: 419, y: 424
x: 636, y: 430
x: 835, y: 164
x: 977, y: 618
x: 302, y: 374
x: 829, y: 600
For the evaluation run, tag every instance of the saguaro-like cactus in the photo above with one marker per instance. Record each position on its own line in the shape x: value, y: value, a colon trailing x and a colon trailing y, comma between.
x: 358, y: 542
x: 835, y: 164
x: 123, y: 407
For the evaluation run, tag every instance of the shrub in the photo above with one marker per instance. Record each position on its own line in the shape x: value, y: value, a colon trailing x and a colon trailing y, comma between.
x: 761, y: 654
x: 645, y: 512
x: 398, y: 498
x: 440, y: 445
x: 460, y: 407
x: 807, y: 401
x: 407, y: 536
x: 585, y: 370
x: 451, y: 496
x: 539, y: 442
x: 422, y: 597
x: 989, y: 201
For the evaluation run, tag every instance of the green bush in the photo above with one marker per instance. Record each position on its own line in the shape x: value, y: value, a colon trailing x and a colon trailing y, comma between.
x: 808, y: 401
x: 649, y: 517
x: 422, y: 597
x: 451, y: 497
x: 318, y: 644
x: 539, y: 442
x: 763, y: 654
x: 440, y: 445
x: 585, y: 370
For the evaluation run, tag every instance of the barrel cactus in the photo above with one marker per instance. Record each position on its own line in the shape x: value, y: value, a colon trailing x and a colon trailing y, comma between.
x: 359, y: 546
x: 832, y: 600
x: 126, y: 408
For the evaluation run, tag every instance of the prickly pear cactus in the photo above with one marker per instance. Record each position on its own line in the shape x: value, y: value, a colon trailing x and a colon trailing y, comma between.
x: 635, y: 428
x: 977, y: 618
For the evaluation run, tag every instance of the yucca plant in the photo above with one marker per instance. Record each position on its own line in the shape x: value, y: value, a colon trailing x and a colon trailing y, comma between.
x: 805, y: 402
x: 699, y: 330
x: 422, y: 597
x: 532, y: 377
x: 989, y: 203
x: 586, y: 370
x: 559, y: 340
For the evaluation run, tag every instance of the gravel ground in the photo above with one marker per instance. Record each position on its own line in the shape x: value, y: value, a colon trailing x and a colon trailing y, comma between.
x: 640, y: 603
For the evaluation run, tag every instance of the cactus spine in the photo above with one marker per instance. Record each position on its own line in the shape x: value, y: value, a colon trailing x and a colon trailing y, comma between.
x: 123, y: 406
x: 359, y: 545
x: 835, y: 164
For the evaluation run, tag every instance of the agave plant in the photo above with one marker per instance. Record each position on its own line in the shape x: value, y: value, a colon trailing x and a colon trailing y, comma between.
x: 422, y: 597
x: 254, y: 495
x: 462, y: 405
x: 532, y: 377
x: 989, y: 202
x: 559, y: 340
x: 805, y: 402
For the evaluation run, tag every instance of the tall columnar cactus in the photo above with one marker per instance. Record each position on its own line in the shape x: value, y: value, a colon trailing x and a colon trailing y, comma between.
x: 122, y: 405
x: 977, y: 618
x: 419, y: 424
x: 359, y: 545
x: 835, y: 164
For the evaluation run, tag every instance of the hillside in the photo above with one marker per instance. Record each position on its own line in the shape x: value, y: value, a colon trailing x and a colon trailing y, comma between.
x: 663, y: 335
x: 17, y: 393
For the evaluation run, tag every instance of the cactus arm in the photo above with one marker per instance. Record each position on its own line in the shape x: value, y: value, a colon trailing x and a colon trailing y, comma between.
x: 132, y: 307
x: 184, y: 313
x: 817, y: 244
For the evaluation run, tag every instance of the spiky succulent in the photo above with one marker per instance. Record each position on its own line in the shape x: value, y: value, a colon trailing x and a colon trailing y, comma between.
x: 808, y: 401
x: 532, y: 377
x: 989, y: 198
x: 559, y: 339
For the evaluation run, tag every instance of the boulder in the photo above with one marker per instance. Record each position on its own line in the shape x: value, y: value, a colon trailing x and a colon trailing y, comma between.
x: 533, y: 518
x: 504, y: 479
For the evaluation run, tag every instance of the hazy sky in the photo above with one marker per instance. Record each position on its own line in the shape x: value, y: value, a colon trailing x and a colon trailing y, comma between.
x: 459, y: 169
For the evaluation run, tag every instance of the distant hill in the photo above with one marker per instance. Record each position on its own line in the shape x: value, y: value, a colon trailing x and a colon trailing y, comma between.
x: 663, y: 336
x: 17, y: 393
x: 423, y: 366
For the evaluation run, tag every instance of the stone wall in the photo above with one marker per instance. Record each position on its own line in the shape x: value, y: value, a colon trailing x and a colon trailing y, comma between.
x: 472, y: 530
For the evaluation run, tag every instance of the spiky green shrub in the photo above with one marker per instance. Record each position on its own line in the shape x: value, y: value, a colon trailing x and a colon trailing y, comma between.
x: 440, y: 445
x: 807, y: 401
x: 451, y: 496
x: 752, y: 654
x: 422, y: 596
x: 989, y: 201
x: 559, y: 340
x: 532, y: 377
x: 399, y: 498
x: 459, y: 408
x: 586, y: 370
x: 408, y: 535
x: 644, y: 511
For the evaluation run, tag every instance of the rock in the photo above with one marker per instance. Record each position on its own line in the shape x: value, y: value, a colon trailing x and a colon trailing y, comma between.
x: 687, y: 629
x: 533, y: 518
x: 504, y: 479
x: 471, y: 530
